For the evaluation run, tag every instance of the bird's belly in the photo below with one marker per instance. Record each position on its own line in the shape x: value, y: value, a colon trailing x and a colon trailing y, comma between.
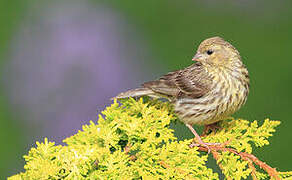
x: 191, y: 112
x: 208, y: 109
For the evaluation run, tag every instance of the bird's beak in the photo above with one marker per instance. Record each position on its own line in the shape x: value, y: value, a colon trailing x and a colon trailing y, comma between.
x: 197, y: 57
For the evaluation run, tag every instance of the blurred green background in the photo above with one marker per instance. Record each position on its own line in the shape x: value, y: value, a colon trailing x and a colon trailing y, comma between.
x: 170, y: 32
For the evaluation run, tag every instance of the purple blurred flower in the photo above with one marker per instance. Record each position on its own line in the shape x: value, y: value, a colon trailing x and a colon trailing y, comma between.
x: 67, y: 60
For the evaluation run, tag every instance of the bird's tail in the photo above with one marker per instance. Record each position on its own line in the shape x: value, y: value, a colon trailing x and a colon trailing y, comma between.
x: 135, y: 93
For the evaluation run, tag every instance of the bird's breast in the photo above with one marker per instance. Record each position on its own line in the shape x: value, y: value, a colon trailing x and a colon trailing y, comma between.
x: 227, y: 94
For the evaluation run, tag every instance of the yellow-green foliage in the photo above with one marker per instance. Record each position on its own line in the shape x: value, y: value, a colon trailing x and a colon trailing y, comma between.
x: 134, y: 141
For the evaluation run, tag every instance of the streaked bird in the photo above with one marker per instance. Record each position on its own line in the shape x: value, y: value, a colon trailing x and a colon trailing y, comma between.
x: 208, y: 91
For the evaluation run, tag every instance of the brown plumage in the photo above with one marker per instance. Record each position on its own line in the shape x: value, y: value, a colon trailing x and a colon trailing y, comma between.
x: 211, y: 89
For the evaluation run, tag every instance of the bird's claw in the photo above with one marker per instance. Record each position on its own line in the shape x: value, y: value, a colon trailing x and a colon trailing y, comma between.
x: 206, y: 145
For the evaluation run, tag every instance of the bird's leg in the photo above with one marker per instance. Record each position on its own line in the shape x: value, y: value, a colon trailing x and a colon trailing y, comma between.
x: 199, y: 140
x: 195, y: 133
x: 213, y: 127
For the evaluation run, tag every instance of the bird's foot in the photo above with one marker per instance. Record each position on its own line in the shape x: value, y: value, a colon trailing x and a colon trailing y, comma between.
x: 211, y: 128
x: 198, y: 141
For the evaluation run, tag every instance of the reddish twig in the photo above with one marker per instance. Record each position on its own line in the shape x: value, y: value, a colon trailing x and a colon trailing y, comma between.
x: 216, y: 157
x: 127, y: 150
x: 253, y: 170
x: 272, y: 172
x: 245, y: 156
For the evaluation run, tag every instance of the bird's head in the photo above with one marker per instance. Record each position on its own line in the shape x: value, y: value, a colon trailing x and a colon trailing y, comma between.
x: 217, y: 52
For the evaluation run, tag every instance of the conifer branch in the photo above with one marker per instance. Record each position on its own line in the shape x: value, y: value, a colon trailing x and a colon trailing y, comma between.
x: 245, y: 156
x: 133, y: 140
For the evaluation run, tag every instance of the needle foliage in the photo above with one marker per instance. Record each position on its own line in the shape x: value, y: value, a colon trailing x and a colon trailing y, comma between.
x: 132, y: 140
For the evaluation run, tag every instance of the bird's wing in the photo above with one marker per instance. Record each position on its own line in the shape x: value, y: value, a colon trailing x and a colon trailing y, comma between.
x: 165, y: 85
x: 192, y: 81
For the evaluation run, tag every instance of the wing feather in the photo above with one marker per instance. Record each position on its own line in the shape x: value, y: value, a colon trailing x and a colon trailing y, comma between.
x: 192, y: 81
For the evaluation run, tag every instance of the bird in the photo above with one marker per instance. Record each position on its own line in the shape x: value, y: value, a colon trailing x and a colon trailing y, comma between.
x: 214, y: 87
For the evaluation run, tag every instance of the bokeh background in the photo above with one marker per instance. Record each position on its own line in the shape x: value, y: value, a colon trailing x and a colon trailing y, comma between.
x: 62, y: 60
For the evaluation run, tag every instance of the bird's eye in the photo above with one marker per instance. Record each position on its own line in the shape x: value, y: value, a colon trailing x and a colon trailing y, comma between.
x: 209, y: 52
